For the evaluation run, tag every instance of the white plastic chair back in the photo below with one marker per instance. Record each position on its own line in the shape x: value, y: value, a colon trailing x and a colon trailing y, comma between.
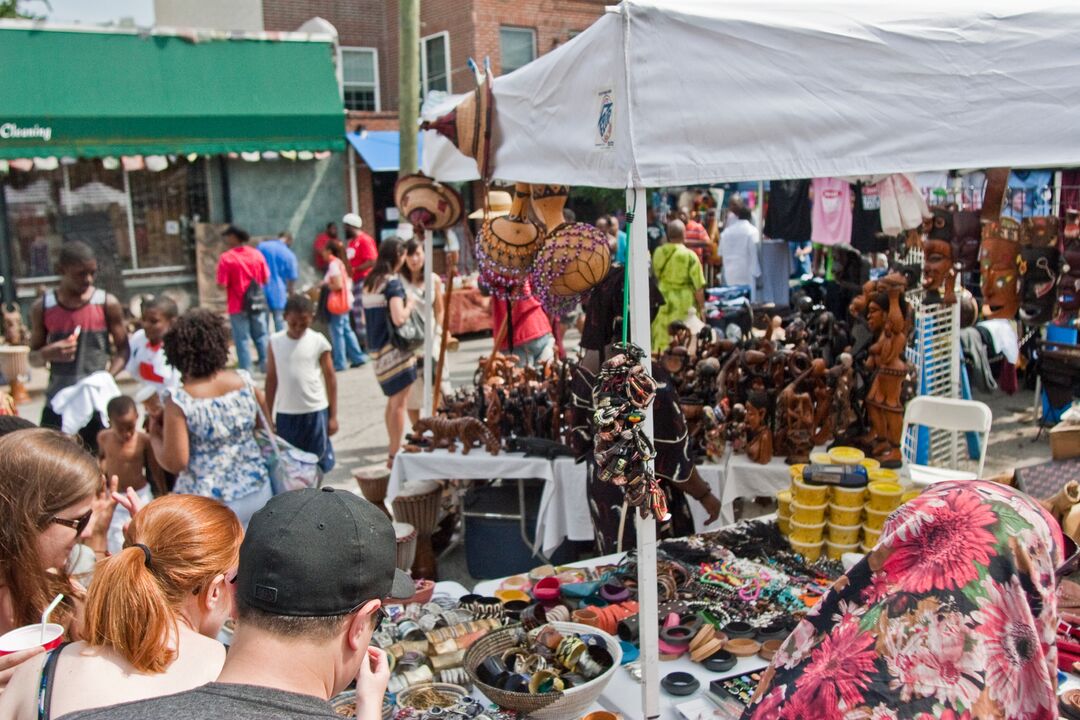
x: 957, y: 416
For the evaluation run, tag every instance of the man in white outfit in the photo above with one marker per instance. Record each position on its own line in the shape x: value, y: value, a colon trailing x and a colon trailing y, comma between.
x: 739, y: 245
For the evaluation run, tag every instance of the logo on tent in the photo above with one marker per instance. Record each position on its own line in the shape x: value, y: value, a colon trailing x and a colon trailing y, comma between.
x: 605, y: 120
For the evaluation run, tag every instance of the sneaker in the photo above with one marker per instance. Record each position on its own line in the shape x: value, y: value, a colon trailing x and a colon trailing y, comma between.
x: 361, y: 362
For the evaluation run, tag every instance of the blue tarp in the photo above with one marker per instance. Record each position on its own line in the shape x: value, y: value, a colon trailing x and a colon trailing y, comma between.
x: 379, y: 148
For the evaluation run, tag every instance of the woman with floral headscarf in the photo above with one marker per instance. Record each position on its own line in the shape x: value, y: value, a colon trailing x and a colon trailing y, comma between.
x: 952, y: 615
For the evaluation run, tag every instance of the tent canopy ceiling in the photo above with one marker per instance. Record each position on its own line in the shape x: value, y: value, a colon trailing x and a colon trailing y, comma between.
x: 683, y: 92
x: 87, y: 94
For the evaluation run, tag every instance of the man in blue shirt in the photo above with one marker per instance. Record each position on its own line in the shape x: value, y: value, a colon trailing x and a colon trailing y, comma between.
x: 283, y: 273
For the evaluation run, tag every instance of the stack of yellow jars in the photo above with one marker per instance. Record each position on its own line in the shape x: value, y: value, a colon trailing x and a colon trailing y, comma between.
x: 833, y: 519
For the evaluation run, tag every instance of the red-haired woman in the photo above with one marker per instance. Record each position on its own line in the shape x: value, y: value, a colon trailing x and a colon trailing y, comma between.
x: 151, y: 616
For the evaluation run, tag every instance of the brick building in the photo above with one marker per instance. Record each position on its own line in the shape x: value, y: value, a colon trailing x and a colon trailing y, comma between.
x: 508, y: 32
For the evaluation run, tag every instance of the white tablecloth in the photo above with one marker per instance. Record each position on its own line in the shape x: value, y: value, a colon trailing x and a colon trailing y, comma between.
x: 481, y: 465
x: 746, y: 479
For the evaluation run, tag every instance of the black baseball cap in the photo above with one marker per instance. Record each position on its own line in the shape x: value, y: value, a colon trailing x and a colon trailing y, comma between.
x: 319, y: 552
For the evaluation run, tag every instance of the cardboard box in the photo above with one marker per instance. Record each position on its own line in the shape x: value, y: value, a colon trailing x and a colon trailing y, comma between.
x: 1065, y: 441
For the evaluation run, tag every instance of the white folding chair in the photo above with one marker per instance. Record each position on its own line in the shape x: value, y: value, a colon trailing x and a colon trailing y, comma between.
x: 956, y: 416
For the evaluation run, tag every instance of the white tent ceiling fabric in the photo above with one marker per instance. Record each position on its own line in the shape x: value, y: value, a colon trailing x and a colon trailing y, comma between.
x: 688, y: 92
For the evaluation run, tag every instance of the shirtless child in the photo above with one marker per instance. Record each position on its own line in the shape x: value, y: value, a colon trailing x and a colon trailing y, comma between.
x: 125, y: 452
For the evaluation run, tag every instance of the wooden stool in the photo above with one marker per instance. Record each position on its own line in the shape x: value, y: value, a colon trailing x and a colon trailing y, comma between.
x: 405, y: 536
x: 418, y: 504
x: 373, y: 483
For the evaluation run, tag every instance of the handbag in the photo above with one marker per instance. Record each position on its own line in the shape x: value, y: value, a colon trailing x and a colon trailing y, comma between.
x: 408, y: 336
x: 290, y: 468
x: 338, y: 302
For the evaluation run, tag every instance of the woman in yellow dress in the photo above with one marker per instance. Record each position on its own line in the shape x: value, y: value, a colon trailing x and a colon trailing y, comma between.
x: 682, y: 283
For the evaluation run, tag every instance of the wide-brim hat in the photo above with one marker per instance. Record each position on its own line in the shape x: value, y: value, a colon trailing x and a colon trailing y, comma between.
x: 469, y: 125
x: 498, y: 205
x: 427, y: 202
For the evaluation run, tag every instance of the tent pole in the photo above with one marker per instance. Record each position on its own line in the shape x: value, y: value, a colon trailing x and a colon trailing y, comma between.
x: 640, y: 334
x: 429, y: 322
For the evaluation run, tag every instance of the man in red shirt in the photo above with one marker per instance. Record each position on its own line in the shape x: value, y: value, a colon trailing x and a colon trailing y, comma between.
x: 239, y: 267
x: 362, y: 250
x: 328, y: 234
x: 696, y: 237
x: 533, y: 340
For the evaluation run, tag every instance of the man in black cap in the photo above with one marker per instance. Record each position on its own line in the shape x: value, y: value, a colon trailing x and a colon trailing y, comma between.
x: 314, y: 568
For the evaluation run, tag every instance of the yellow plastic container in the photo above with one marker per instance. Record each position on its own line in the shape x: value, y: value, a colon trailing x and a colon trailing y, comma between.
x: 811, y: 551
x: 806, y: 532
x: 784, y: 525
x: 909, y: 496
x: 846, y: 455
x: 870, y: 464
x: 809, y: 494
x: 870, y: 536
x: 820, y: 458
x: 848, y: 497
x: 808, y: 514
x: 885, y: 495
x: 875, y: 519
x: 844, y: 534
x: 783, y: 503
x: 836, y: 550
x: 511, y: 595
x: 883, y: 475
x: 796, y: 471
x: 845, y: 515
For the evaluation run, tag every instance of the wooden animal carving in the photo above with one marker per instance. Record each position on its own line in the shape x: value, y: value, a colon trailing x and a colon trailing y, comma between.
x: 446, y: 433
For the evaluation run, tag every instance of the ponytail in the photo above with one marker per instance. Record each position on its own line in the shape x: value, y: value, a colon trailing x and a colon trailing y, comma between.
x: 128, y: 611
x: 133, y: 605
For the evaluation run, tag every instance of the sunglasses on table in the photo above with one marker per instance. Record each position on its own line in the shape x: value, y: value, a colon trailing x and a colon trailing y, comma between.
x: 78, y: 524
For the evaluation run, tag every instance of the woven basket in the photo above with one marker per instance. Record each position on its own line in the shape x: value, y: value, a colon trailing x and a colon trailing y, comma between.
x: 570, y: 703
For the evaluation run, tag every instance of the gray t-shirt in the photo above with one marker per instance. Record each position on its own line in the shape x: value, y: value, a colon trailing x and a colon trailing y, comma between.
x: 216, y: 700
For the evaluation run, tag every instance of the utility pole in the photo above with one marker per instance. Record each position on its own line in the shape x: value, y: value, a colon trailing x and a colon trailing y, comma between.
x: 408, y: 84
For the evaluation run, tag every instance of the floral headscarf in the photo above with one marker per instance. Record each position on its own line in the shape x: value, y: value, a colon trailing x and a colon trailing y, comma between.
x: 953, y: 615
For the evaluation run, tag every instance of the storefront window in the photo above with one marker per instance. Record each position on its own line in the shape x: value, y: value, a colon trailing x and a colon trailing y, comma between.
x: 141, y: 223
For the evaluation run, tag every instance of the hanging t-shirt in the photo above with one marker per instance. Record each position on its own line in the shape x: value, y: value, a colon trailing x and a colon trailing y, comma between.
x: 787, y: 213
x: 866, y: 220
x: 832, y: 211
x: 1025, y: 197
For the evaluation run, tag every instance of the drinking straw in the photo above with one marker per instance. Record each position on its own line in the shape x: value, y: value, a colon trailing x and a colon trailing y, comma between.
x: 48, y: 611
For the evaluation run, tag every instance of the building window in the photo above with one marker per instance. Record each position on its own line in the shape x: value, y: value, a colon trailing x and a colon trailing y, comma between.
x: 135, y: 221
x: 435, y: 63
x: 360, y: 78
x: 517, y: 47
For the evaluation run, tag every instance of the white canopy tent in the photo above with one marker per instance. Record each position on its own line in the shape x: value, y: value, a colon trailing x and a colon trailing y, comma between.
x: 682, y: 92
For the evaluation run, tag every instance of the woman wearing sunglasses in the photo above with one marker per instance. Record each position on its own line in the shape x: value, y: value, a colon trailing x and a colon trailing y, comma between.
x: 151, y: 616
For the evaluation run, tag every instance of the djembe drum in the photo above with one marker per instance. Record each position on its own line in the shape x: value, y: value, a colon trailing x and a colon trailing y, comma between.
x: 574, y: 258
x: 418, y: 504
x: 373, y: 483
x: 15, y: 364
x: 405, y: 542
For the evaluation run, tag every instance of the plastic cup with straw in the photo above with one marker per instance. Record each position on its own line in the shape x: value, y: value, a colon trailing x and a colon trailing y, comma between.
x: 44, y: 634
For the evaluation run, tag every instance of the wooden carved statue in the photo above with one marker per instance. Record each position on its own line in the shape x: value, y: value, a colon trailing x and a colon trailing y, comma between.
x: 759, y: 436
x: 999, y: 255
x: 845, y: 419
x: 939, y: 271
x: 446, y: 433
x: 823, y: 399
x: 885, y: 315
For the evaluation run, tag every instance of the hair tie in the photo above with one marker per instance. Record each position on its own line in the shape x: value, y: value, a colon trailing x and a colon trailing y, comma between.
x: 145, y: 552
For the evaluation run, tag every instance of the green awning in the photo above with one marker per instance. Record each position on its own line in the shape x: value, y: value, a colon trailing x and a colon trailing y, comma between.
x: 92, y: 94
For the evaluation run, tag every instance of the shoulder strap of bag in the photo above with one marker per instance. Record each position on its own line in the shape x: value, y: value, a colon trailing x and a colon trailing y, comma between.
x: 262, y: 416
x: 45, y: 690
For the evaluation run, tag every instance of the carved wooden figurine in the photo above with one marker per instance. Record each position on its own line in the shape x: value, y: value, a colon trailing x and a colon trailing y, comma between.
x: 885, y: 316
x: 446, y: 433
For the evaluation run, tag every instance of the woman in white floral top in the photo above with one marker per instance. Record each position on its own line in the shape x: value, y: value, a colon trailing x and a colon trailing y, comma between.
x: 205, y: 433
